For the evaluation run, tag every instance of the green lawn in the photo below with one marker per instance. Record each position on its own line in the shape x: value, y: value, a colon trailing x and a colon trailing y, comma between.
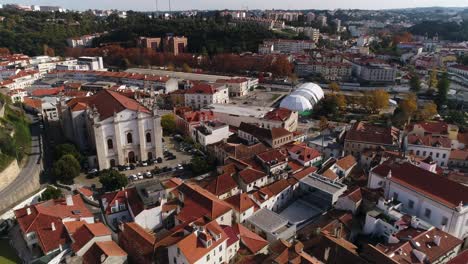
x: 7, y: 253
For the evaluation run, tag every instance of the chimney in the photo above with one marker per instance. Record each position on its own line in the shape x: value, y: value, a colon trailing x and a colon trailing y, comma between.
x: 437, y: 240
x: 69, y: 200
x: 126, y: 194
x: 28, y: 210
x: 53, y: 226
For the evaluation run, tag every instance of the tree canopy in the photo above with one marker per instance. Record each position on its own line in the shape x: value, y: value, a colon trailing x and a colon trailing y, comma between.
x: 66, y: 169
x: 51, y: 193
x: 112, y: 180
x: 168, y: 124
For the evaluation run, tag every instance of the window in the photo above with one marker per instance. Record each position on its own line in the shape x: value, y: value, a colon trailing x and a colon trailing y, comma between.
x: 424, y: 153
x: 178, y: 251
x: 208, y: 257
x: 395, y: 196
x: 411, y: 204
x: 427, y: 213
x: 220, y: 248
x: 444, y: 155
x: 444, y: 221
x: 175, y: 260
x: 417, y: 152
x: 110, y: 144
x: 129, y: 138
x: 437, y: 155
x: 220, y: 259
x: 148, y: 137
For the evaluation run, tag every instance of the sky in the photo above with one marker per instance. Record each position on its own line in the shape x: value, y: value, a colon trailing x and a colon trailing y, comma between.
x: 149, y: 5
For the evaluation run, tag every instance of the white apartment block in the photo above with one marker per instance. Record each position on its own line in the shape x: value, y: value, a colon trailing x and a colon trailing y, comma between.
x: 203, y: 95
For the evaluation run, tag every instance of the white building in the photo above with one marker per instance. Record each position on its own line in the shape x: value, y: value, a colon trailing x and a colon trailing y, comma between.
x: 424, y: 194
x: 93, y: 63
x: 239, y: 86
x: 438, y: 148
x: 303, y: 98
x: 120, y: 129
x: 210, y: 132
x: 286, y: 46
x: 202, y: 95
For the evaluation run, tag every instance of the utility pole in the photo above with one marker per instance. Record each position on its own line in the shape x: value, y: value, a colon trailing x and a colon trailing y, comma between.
x: 170, y: 6
x: 157, y: 10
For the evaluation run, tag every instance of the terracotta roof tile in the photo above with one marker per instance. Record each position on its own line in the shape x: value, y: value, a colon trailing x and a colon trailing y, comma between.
x: 457, y: 154
x: 250, y: 175
x: 303, y: 173
x: 86, y: 232
x: 221, y: 184
x: 346, y: 163
x: 429, y: 140
x: 240, y: 202
x: 422, y: 181
x: 278, y: 114
x: 253, y: 242
x: 98, y: 249
x: 366, y: 132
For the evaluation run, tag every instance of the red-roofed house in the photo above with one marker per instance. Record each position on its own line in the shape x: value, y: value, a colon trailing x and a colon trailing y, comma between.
x: 137, y: 242
x: 274, y: 196
x: 253, y: 243
x: 187, y: 120
x: 274, y: 161
x: 281, y: 118
x: 305, y: 155
x: 47, y: 91
x: 232, y: 244
x: 237, y: 86
x: 204, y: 94
x: 434, y: 128
x: 105, y: 252
x: 201, y: 242
x: 198, y: 202
x: 86, y: 235
x: 363, y: 136
x: 118, y: 128
x: 350, y: 200
x: 429, y: 196
x: 223, y: 186
x: 428, y: 145
x: 42, y: 224
x: 242, y: 205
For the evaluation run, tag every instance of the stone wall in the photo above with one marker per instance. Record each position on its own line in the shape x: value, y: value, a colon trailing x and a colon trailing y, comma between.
x: 9, y: 174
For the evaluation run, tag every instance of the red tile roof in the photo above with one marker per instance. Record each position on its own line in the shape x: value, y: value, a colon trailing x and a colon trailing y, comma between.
x: 200, y: 203
x: 433, y: 127
x: 203, y: 88
x: 457, y: 154
x: 305, y: 153
x: 354, y: 195
x: 346, y: 163
x: 422, y: 181
x: 278, y: 114
x: 305, y: 172
x: 192, y: 247
x: 47, y: 91
x: 366, y: 132
x: 253, y: 242
x: 86, y: 232
x: 33, y: 103
x: 221, y: 184
x: 295, y: 166
x: 109, y: 102
x: 72, y: 226
x: 429, y: 140
x: 273, y: 155
x: 137, y: 242
x: 86, y: 191
x: 460, y: 259
x: 129, y: 197
x: 240, y: 202
x: 42, y: 215
x: 250, y: 175
x: 98, y: 249
x: 231, y: 233
x: 330, y: 175
x: 403, y: 250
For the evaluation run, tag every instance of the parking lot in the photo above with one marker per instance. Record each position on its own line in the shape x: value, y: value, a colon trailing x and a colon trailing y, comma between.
x: 170, y: 145
x: 258, y: 98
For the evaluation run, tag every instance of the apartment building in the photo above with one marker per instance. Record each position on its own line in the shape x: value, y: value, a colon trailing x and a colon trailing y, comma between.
x: 202, y: 95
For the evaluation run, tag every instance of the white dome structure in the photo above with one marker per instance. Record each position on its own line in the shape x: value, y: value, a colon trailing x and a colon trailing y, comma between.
x: 303, y: 98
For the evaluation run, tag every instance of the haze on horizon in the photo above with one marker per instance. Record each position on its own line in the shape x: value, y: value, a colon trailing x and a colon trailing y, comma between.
x: 150, y: 5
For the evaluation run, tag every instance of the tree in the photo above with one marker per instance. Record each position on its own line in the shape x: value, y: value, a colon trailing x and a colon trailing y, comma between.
x: 377, y: 100
x: 323, y: 123
x: 456, y: 117
x: 66, y: 169
x: 433, y: 81
x: 4, y: 51
x: 415, y: 82
x: 340, y: 101
x: 186, y: 68
x: 112, y: 180
x: 442, y: 90
x: 429, y: 111
x: 409, y: 105
x: 199, y: 165
x: 334, y: 87
x: 168, y: 124
x: 51, y: 193
x: 67, y: 149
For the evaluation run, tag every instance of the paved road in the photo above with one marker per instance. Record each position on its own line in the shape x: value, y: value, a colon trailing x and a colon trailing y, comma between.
x: 34, y: 163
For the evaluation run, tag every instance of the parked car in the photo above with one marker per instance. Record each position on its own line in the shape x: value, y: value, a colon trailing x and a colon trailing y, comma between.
x: 140, y: 176
x: 93, y: 171
x: 148, y: 175
x: 133, y: 177
x: 159, y: 160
